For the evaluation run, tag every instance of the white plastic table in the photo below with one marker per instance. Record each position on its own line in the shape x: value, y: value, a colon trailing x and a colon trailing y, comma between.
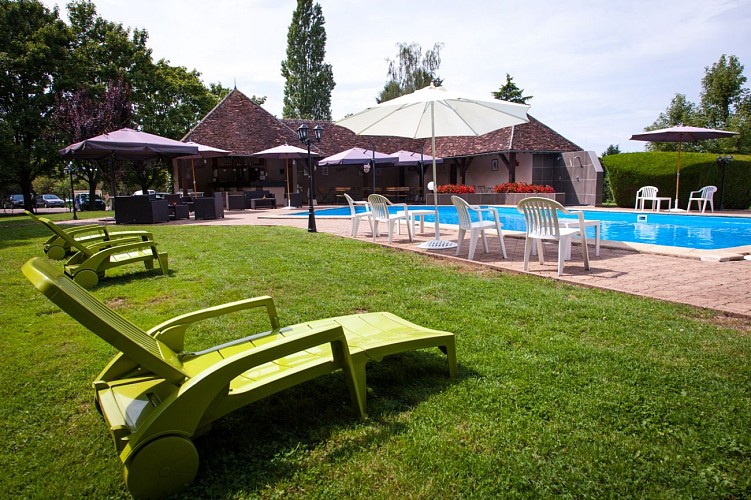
x: 415, y: 215
x: 574, y: 223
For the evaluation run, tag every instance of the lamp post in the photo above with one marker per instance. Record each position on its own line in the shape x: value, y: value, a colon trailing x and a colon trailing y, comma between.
x: 69, y: 170
x: 302, y: 134
x: 723, y: 161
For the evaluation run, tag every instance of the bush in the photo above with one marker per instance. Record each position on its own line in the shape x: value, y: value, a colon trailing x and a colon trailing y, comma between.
x: 522, y: 187
x: 456, y: 189
x: 630, y: 171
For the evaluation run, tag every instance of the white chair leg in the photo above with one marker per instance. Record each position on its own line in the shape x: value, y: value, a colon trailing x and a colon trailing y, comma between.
x: 472, y: 244
x: 563, y: 244
x: 528, y: 244
x: 540, y: 252
x: 484, y: 240
x: 503, y: 245
x: 459, y: 241
x: 375, y: 230
x: 355, y: 226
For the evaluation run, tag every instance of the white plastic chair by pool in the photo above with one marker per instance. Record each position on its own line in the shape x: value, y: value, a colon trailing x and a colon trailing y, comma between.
x: 702, y: 197
x: 379, y: 207
x: 476, y: 229
x: 358, y: 216
x: 541, y: 217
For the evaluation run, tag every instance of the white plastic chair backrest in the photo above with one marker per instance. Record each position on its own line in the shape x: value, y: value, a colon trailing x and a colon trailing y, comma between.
x: 541, y: 216
x: 462, y: 208
x: 351, y: 203
x: 647, y: 192
x: 379, y: 206
x: 707, y: 192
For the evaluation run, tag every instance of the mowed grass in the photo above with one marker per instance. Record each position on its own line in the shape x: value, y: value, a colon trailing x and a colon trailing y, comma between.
x: 562, y: 391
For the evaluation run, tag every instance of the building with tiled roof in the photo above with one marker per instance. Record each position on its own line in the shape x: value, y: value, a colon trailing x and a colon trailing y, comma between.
x: 531, y: 152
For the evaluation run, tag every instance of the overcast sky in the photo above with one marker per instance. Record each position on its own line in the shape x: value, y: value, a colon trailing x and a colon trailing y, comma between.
x: 599, y: 71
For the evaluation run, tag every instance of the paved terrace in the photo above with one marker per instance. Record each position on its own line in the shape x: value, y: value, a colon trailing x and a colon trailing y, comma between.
x: 713, y: 280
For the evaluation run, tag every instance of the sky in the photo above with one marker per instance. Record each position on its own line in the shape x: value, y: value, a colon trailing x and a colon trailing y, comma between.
x: 598, y: 70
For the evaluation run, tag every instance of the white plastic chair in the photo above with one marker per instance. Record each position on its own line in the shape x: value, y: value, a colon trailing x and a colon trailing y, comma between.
x: 476, y: 228
x: 356, y: 216
x: 379, y: 208
x: 702, y: 197
x: 541, y: 217
x: 649, y: 193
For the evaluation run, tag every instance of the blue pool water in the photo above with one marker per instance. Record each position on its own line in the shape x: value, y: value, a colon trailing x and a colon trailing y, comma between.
x: 674, y: 230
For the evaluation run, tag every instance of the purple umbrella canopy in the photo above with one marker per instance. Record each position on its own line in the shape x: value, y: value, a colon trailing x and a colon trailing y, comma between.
x: 203, y: 152
x: 411, y: 158
x: 358, y: 156
x: 285, y: 152
x: 128, y: 144
x: 681, y: 134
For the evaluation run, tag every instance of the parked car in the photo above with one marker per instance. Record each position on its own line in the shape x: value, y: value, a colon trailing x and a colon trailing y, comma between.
x: 14, y: 201
x: 49, y: 201
x: 82, y: 202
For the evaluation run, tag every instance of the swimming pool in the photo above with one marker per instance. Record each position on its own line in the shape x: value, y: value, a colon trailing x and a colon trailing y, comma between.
x: 673, y: 230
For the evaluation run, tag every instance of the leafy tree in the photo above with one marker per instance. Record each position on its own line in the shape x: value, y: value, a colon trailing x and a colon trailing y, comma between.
x: 308, y: 80
x: 511, y: 93
x: 33, y: 50
x: 79, y: 117
x: 613, y: 149
x: 722, y: 90
x: 680, y: 112
x: 725, y: 103
x: 411, y: 70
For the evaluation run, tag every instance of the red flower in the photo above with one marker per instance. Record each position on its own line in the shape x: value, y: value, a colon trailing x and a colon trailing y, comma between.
x: 522, y: 187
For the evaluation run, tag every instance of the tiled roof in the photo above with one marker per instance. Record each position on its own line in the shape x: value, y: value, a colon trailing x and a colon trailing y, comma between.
x: 243, y: 127
x: 239, y: 125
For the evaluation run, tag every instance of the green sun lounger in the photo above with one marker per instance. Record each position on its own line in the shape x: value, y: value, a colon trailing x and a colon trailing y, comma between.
x: 57, y: 247
x: 155, y: 397
x: 92, y: 259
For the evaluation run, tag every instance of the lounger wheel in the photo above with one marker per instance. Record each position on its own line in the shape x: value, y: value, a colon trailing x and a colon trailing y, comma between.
x: 56, y: 252
x: 86, y: 278
x: 161, y: 467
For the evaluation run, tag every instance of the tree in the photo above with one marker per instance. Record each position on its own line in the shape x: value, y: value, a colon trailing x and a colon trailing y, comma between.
x: 725, y: 104
x: 722, y: 91
x: 79, y: 116
x: 613, y: 149
x: 308, y: 80
x: 33, y: 50
x: 511, y: 93
x: 411, y: 70
x: 680, y: 112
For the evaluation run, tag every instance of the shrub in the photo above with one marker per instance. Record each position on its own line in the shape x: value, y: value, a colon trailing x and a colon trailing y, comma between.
x: 456, y: 189
x: 630, y: 171
x: 522, y: 187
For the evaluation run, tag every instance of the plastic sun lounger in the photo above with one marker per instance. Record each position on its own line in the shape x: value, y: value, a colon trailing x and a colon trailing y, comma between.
x: 90, y: 260
x: 155, y: 397
x: 58, y: 248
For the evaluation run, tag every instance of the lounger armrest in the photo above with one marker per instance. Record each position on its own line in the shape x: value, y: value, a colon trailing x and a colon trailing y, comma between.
x: 102, y: 250
x: 172, y: 331
x: 205, y: 386
x: 88, y: 228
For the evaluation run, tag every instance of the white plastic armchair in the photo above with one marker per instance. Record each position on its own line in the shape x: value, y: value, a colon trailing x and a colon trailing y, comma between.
x: 476, y: 228
x: 356, y: 216
x: 702, y: 197
x: 649, y: 193
x: 379, y: 207
x: 541, y: 217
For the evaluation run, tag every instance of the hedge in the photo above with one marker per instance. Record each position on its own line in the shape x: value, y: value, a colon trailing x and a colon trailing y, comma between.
x: 630, y: 171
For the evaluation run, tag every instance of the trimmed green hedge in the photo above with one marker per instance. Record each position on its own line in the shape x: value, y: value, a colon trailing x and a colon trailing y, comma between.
x: 630, y: 171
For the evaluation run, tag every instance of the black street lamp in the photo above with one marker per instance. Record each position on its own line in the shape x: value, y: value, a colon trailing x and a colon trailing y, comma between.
x: 302, y: 134
x: 723, y: 161
x: 69, y: 170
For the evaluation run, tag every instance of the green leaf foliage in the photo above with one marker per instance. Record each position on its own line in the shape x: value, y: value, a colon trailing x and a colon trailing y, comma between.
x: 630, y: 171
x: 308, y: 79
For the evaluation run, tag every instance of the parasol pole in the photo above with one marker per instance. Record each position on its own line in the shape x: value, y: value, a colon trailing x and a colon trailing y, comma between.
x: 435, y: 179
x: 678, y: 173
x: 193, y: 168
x: 286, y: 172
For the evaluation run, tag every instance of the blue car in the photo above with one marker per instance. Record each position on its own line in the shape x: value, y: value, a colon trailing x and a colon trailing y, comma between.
x: 82, y: 202
x: 14, y: 201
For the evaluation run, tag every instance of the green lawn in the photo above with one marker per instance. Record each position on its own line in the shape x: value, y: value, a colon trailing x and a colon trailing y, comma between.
x: 562, y: 391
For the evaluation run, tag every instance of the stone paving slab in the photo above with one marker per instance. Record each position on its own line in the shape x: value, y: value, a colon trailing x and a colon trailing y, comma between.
x: 724, y: 286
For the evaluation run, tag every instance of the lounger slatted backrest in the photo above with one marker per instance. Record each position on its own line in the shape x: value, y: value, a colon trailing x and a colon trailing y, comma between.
x: 64, y: 236
x: 123, y: 335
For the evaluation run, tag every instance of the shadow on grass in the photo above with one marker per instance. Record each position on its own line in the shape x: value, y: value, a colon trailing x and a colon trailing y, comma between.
x: 275, y: 439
